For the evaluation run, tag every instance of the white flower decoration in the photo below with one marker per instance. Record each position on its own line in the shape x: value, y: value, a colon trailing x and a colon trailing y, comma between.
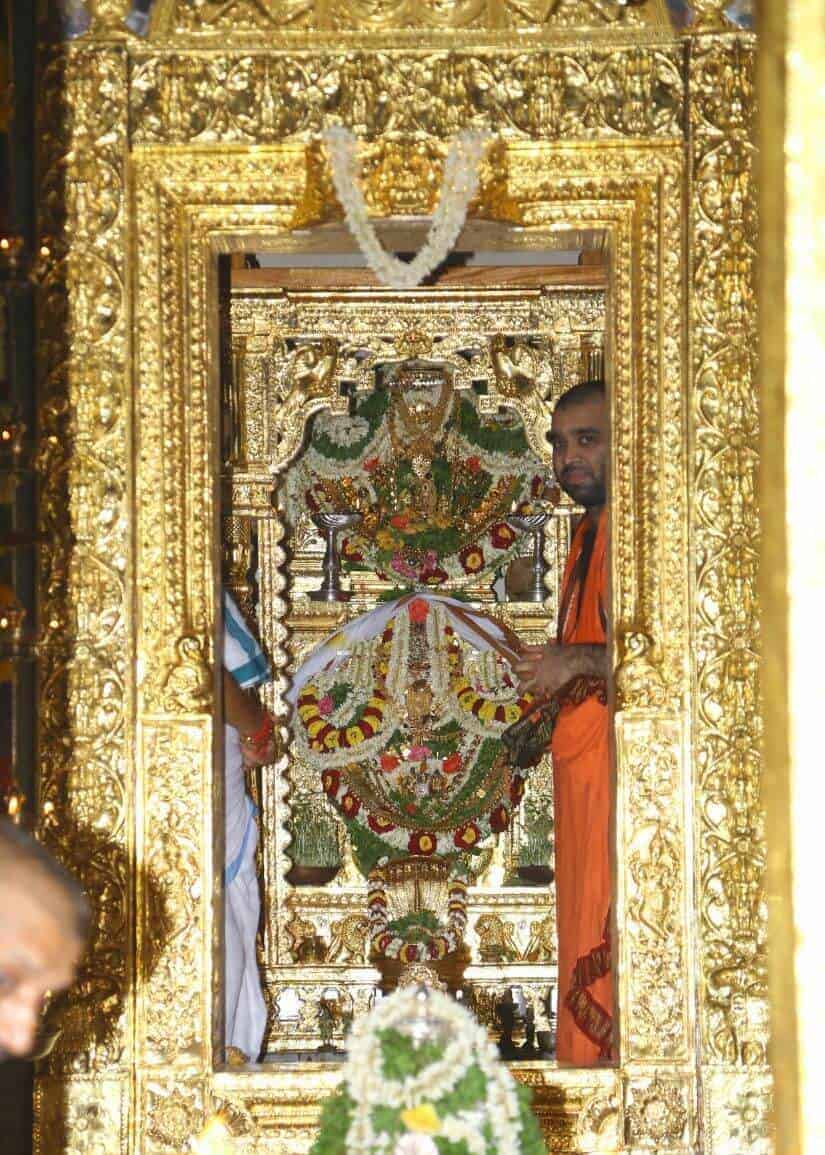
x: 458, y: 187
x: 415, y: 1144
x: 344, y: 431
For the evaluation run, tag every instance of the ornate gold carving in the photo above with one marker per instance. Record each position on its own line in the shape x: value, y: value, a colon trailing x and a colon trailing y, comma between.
x: 737, y: 1111
x: 592, y: 137
x: 348, y: 939
x: 172, y: 1116
x: 654, y: 978
x: 618, y: 91
x: 81, y: 1116
x: 657, y: 1114
x: 725, y: 531
x: 639, y: 683
x: 541, y: 946
x: 187, y: 684
x: 516, y: 368
x: 597, y: 1125
x: 236, y: 540
x: 495, y: 939
x: 307, y: 946
x: 212, y: 16
x: 84, y: 674
x: 174, y: 756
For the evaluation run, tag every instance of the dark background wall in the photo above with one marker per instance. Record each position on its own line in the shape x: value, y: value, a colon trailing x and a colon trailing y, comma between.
x: 17, y: 486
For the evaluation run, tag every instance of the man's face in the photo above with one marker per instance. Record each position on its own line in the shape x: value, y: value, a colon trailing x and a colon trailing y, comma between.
x: 579, y: 437
x: 39, y: 951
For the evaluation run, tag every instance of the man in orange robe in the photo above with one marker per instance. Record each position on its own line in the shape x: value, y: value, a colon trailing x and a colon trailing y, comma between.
x: 574, y: 669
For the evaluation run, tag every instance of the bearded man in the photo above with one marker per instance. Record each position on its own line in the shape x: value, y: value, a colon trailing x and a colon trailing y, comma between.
x: 574, y: 668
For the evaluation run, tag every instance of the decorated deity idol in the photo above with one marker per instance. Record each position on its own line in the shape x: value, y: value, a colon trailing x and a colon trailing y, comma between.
x: 432, y: 480
x: 401, y: 715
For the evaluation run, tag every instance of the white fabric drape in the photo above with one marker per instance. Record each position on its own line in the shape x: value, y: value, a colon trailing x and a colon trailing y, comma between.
x: 244, y: 1006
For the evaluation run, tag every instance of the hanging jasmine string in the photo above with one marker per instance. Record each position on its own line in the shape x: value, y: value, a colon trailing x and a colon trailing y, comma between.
x: 458, y: 187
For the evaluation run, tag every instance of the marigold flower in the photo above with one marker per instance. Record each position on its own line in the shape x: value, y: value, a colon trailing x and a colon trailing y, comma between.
x: 423, y: 1118
x: 418, y: 610
x: 422, y: 842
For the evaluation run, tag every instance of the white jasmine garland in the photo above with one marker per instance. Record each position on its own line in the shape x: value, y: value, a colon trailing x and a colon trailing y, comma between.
x: 458, y: 187
x: 342, y: 430
x: 398, y: 671
x: 369, y: 1087
x: 439, y: 663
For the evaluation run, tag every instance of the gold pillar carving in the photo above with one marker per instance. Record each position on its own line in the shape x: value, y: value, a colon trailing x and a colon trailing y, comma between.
x: 725, y: 533
x: 85, y: 721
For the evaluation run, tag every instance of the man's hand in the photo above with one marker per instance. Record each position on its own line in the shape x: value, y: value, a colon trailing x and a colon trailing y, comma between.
x: 261, y: 753
x: 260, y: 740
x: 543, y: 670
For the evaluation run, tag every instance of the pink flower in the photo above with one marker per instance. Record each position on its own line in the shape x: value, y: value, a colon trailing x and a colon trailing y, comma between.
x: 418, y: 753
x: 325, y: 705
x: 403, y: 567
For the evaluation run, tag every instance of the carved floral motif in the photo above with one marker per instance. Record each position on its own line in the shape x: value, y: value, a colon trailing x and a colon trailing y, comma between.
x: 607, y: 92
x: 728, y: 724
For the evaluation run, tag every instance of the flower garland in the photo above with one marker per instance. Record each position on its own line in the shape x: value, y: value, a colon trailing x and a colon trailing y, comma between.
x: 423, y: 1078
x: 429, y: 942
x: 336, y: 743
x: 458, y: 187
x: 433, y: 787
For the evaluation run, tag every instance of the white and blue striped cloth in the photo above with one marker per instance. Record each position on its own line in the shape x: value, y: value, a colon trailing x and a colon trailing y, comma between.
x: 245, y: 1008
x: 242, y: 654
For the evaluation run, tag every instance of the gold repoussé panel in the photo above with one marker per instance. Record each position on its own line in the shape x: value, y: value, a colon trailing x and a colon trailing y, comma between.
x: 165, y: 155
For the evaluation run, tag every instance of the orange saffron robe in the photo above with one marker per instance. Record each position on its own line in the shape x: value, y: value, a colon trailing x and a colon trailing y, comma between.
x: 581, y: 777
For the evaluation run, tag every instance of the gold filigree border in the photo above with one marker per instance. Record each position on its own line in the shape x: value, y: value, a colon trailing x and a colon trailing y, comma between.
x: 139, y: 377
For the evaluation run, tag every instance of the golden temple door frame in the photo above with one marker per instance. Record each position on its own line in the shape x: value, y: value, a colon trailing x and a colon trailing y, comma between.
x: 138, y: 384
x: 274, y: 332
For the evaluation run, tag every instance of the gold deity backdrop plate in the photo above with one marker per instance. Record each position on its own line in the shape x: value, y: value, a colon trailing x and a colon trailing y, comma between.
x: 168, y: 152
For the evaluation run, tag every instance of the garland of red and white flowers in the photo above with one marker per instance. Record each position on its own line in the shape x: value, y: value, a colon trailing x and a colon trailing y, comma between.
x: 346, y: 752
x: 437, y: 946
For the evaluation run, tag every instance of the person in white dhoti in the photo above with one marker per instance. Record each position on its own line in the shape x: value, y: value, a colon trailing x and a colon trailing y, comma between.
x: 249, y: 740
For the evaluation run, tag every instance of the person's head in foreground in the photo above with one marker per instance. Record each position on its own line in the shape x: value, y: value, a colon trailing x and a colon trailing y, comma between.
x: 44, y: 920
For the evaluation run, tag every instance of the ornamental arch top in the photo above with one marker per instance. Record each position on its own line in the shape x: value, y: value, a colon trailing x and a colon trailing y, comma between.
x: 172, y: 148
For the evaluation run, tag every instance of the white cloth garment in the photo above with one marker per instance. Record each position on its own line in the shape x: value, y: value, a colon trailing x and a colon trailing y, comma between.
x: 245, y: 1009
x: 333, y: 651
